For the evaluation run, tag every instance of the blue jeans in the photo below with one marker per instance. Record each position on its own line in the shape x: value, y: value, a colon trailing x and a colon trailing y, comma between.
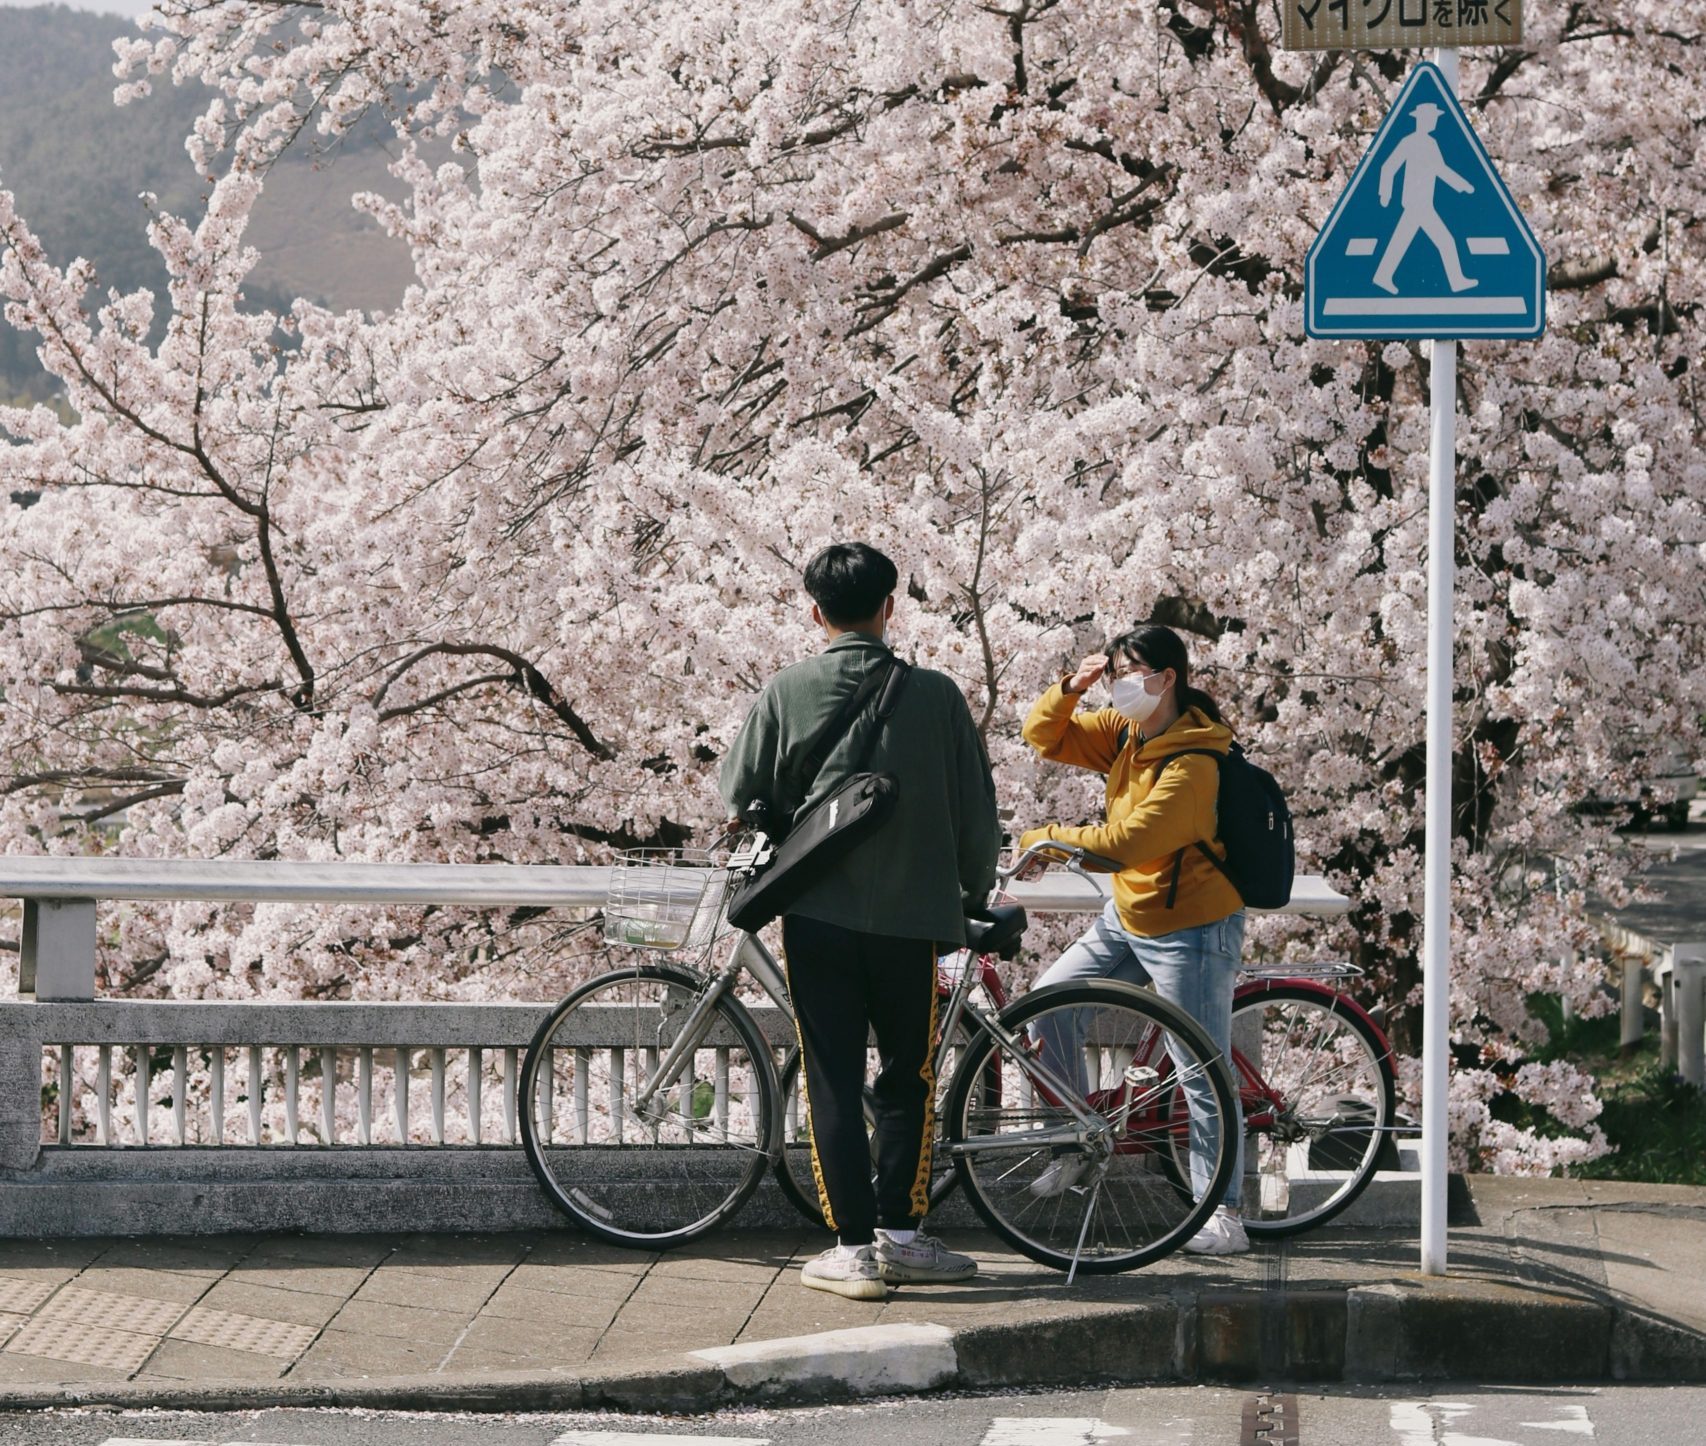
x: 1195, y: 969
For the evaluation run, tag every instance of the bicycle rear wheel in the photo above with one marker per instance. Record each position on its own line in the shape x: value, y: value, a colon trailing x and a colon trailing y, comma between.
x: 1061, y: 1141
x: 632, y: 1157
x: 1319, y: 1093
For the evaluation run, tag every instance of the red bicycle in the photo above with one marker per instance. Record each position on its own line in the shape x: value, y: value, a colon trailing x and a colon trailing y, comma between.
x: 1314, y: 1072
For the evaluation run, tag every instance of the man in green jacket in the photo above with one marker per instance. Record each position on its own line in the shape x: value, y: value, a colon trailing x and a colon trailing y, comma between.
x: 861, y: 944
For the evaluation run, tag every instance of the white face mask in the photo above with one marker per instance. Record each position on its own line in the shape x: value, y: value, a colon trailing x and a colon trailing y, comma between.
x: 1132, y: 698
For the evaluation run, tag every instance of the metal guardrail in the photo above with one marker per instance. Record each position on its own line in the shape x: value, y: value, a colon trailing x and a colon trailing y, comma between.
x: 268, y: 1074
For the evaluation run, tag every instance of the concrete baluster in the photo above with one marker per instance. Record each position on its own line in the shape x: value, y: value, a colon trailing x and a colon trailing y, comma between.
x: 104, y: 1096
x: 1634, y: 1024
x: 1688, y: 973
x: 180, y: 1095
x: 254, y: 1094
x: 1666, y: 976
x: 364, y: 1095
x: 400, y: 1095
x: 329, y: 1096
x: 476, y: 1065
x: 510, y: 1069
x: 216, y: 1096
x: 143, y: 1085
x: 67, y: 1083
x: 292, y: 1079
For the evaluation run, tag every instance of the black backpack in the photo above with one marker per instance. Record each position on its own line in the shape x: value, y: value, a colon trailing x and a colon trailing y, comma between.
x: 1254, y: 824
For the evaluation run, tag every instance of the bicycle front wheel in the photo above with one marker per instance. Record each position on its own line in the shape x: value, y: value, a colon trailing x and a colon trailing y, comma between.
x: 648, y: 1117
x: 1060, y: 1132
x: 1319, y: 1092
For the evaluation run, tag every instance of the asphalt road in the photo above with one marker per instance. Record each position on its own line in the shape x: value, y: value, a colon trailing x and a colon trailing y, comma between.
x: 1458, y: 1415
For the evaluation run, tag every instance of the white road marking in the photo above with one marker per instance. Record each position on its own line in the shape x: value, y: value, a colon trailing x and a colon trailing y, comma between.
x: 618, y: 1438
x: 1488, y: 246
x: 1575, y: 1421
x: 1049, y: 1431
x: 1413, y: 1424
x: 1360, y: 246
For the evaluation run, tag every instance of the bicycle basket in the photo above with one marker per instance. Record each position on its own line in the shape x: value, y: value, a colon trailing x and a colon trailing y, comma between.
x: 669, y: 899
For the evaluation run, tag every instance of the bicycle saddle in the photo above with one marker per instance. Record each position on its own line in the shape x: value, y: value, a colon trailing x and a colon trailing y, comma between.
x: 996, y: 929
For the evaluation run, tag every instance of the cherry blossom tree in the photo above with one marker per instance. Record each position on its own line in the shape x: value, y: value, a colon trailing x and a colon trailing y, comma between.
x: 1011, y: 290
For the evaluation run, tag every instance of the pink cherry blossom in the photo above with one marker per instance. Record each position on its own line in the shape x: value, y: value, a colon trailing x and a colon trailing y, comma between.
x: 1013, y: 292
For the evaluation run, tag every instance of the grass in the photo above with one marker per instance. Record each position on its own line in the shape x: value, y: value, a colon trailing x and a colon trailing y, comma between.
x: 1656, y: 1120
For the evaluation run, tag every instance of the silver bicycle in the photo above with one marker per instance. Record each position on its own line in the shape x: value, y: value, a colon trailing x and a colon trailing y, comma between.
x: 658, y: 1094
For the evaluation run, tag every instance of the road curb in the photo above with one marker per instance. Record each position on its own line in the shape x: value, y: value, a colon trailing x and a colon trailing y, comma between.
x: 1409, y: 1329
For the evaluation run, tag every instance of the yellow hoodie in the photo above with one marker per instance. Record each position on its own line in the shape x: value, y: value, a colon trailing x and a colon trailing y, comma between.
x: 1148, y: 821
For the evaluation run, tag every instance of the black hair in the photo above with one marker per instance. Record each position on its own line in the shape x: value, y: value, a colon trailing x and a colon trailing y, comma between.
x: 1159, y: 648
x: 848, y: 581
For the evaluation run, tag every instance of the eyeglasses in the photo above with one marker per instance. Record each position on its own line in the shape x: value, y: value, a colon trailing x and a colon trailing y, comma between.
x: 1134, y: 670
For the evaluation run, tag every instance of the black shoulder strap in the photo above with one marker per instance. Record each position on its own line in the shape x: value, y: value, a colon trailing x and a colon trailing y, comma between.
x: 1207, y: 852
x: 843, y: 720
x: 895, y: 680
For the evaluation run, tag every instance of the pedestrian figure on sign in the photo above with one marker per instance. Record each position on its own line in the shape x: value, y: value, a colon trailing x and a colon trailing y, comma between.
x: 1418, y: 156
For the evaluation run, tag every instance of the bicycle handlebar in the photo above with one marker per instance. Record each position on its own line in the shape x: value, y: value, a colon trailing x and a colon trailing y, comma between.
x: 1075, y: 860
x: 1070, y: 856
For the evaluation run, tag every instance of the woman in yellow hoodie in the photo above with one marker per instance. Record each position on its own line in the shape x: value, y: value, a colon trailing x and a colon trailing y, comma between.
x: 1175, y: 922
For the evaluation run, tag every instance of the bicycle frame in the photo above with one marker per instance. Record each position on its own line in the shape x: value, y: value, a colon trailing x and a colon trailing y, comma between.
x: 1259, y: 1101
x: 749, y: 956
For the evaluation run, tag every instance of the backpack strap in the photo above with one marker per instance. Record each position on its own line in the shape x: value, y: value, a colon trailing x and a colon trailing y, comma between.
x: 1207, y: 852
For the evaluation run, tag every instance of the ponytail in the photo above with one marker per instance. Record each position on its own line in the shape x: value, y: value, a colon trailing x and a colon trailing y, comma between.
x: 1190, y: 697
x: 1159, y: 648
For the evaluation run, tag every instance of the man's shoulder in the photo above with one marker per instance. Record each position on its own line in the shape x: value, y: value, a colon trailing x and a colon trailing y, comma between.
x: 806, y: 672
x: 933, y: 684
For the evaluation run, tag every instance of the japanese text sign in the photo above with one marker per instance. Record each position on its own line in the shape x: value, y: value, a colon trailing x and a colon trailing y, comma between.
x: 1398, y: 24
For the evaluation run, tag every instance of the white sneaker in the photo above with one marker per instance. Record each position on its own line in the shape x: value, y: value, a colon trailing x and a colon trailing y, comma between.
x: 1222, y: 1234
x: 1061, y: 1176
x: 923, y: 1259
x: 853, y: 1273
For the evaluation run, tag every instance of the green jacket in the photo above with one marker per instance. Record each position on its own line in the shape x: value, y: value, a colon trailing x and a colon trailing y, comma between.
x: 937, y: 851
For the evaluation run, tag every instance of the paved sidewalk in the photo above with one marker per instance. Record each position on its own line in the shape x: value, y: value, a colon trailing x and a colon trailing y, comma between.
x: 1551, y: 1280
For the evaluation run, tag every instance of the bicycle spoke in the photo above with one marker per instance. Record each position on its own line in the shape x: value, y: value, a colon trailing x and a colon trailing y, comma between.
x: 1323, y: 1096
x: 1061, y: 1132
x: 664, y: 1137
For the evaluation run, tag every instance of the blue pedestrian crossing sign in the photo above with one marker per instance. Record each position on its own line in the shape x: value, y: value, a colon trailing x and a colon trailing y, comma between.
x: 1425, y: 241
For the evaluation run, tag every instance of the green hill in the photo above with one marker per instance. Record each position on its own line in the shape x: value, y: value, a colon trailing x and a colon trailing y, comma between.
x: 76, y: 163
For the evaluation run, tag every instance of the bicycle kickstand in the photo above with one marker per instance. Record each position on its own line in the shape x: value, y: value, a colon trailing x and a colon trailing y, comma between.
x: 1084, y: 1229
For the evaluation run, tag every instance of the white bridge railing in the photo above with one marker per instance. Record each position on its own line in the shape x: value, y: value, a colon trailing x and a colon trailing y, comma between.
x: 105, y: 1103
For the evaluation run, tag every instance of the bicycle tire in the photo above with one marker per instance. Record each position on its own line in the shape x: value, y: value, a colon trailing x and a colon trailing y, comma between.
x: 665, y: 1176
x: 1126, y: 1211
x: 794, y: 1172
x: 1338, y: 1116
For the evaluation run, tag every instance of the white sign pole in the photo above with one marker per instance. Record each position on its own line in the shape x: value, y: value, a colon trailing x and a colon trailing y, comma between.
x: 1436, y: 912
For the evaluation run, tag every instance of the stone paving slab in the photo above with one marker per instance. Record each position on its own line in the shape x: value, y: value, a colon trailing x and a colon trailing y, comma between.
x: 1612, y: 1271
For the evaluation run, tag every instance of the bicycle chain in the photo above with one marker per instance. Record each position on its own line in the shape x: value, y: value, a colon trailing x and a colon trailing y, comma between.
x: 1270, y: 1419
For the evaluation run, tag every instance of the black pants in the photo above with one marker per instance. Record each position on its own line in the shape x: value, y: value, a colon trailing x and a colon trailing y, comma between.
x: 846, y: 984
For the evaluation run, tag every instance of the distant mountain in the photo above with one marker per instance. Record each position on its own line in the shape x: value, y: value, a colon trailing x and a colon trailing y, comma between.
x: 76, y: 162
